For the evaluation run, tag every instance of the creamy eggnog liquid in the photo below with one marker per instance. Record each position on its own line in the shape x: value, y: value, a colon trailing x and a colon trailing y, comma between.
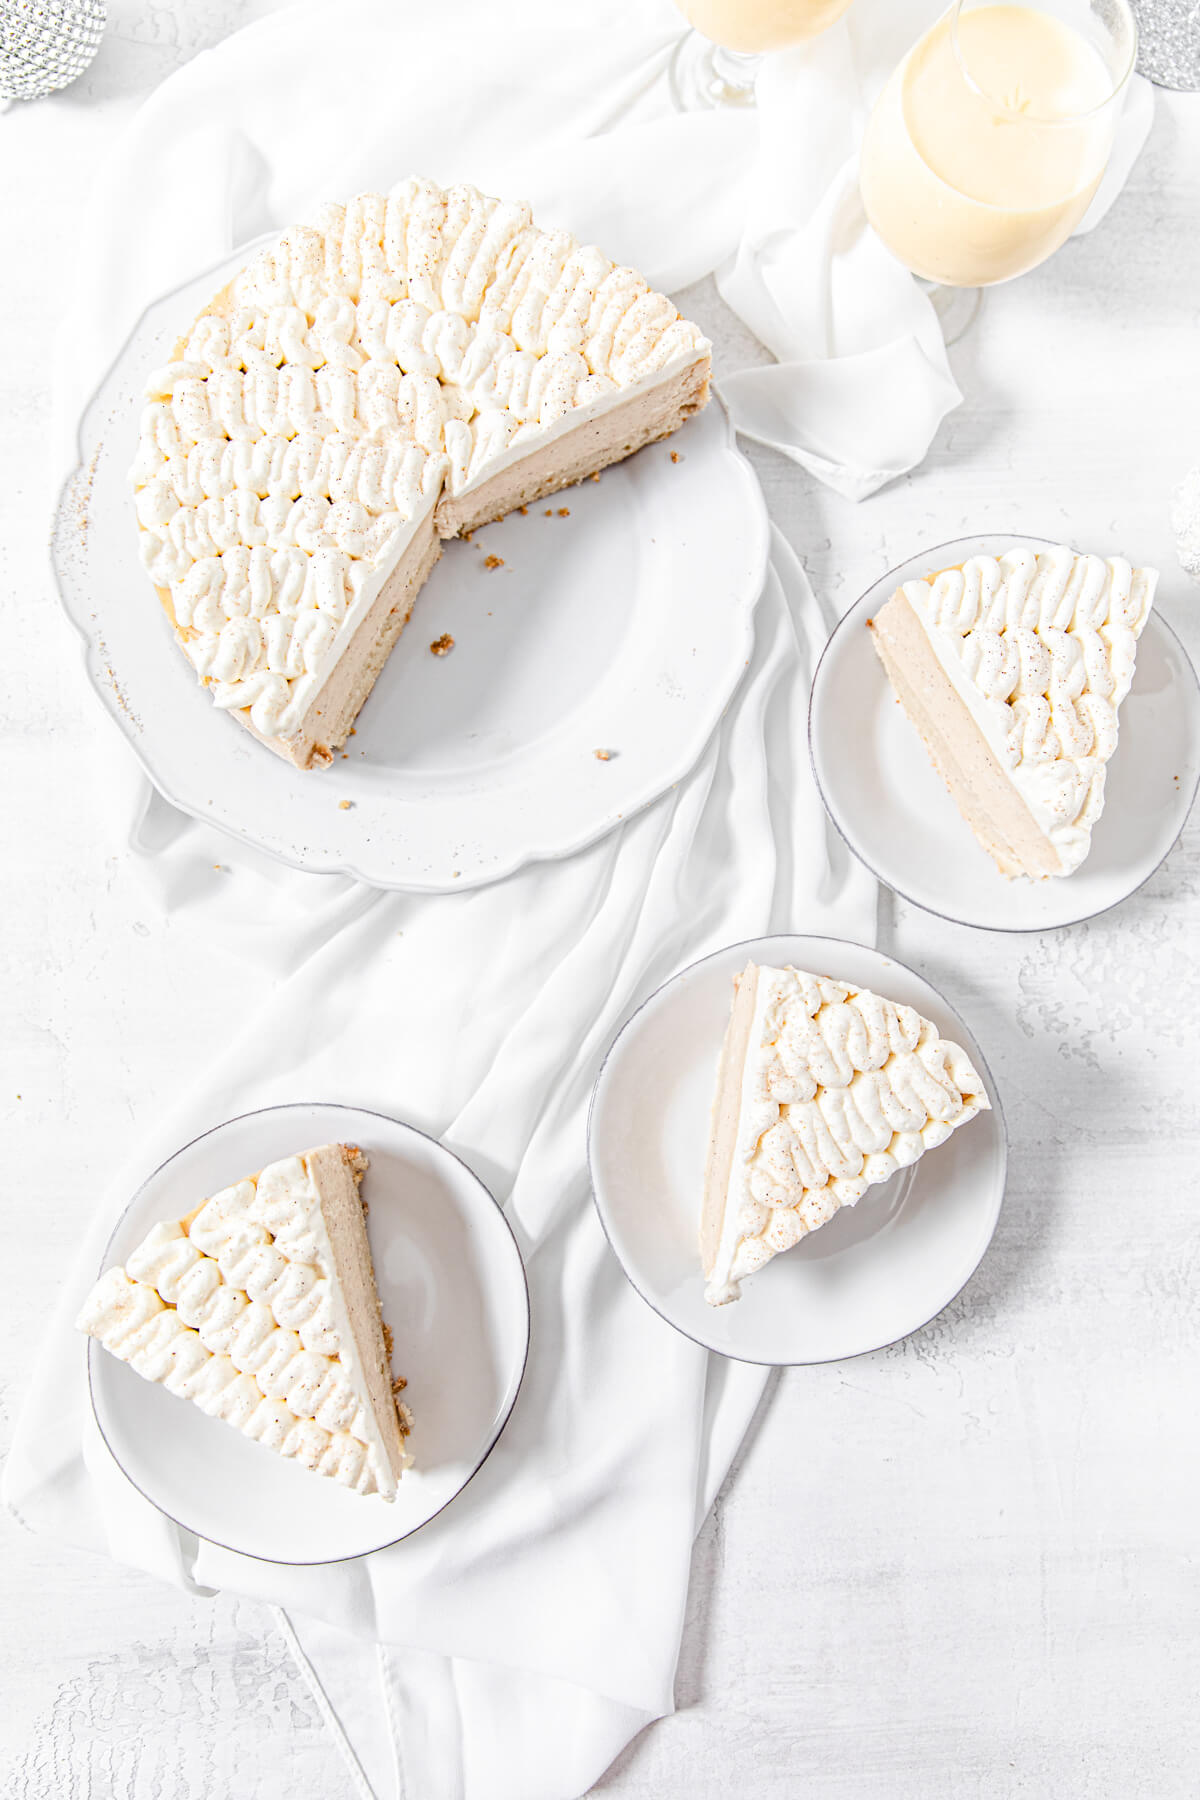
x: 755, y: 25
x: 976, y: 166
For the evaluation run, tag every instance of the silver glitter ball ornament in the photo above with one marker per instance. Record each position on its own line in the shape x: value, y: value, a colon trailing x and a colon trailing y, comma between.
x: 1169, y: 42
x: 44, y: 44
x: 1185, y: 522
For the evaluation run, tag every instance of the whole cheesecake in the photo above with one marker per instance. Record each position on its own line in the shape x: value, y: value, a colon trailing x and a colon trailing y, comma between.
x: 400, y: 372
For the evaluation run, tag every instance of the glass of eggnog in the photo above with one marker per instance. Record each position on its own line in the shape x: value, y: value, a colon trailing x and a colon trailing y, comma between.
x: 984, y: 150
x: 716, y: 63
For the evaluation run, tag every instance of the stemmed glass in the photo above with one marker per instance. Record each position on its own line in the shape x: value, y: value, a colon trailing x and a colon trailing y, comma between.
x: 716, y: 63
x: 984, y: 150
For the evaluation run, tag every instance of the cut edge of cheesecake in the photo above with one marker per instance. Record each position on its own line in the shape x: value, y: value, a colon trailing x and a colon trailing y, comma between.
x: 723, y: 1131
x: 618, y: 430
x: 977, y: 781
x: 336, y: 704
x: 337, y: 1171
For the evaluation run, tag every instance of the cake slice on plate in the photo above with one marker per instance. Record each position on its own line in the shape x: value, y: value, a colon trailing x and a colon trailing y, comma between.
x: 260, y: 1307
x: 1013, y: 670
x: 401, y: 371
x: 822, y: 1090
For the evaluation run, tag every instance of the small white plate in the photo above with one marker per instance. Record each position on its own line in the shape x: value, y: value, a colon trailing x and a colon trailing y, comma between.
x: 451, y: 1286
x: 876, y: 1272
x: 896, y: 814
x: 623, y: 626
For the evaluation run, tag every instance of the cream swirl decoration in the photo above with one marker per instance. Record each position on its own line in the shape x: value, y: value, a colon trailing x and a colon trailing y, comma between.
x: 231, y: 1308
x: 841, y: 1089
x: 348, y: 376
x: 130, y: 1320
x: 1041, y: 646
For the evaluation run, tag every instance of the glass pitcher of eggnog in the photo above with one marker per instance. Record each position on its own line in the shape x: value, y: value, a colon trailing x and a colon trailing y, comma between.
x: 985, y: 148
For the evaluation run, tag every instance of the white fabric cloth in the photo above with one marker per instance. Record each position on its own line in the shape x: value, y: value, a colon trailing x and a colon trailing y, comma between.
x: 510, y: 1649
x: 534, y: 1626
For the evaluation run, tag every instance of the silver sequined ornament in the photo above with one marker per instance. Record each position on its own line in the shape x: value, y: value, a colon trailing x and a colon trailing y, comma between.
x: 1169, y: 42
x: 1185, y: 522
x: 44, y: 44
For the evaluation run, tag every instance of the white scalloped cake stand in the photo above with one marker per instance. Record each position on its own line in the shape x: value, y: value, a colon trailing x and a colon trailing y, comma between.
x: 621, y: 625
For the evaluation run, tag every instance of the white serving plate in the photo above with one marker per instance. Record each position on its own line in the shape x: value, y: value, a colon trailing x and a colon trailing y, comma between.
x: 876, y: 1272
x: 896, y: 814
x: 622, y: 627
x: 452, y: 1288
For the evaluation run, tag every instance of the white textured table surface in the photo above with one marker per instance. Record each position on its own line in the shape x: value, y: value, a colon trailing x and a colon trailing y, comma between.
x: 966, y: 1566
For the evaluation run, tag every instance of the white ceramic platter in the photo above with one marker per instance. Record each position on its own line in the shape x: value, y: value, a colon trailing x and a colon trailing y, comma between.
x: 452, y: 1288
x: 623, y: 626
x: 876, y: 1272
x: 896, y: 813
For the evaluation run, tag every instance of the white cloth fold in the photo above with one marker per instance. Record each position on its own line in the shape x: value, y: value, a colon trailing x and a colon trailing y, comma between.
x: 551, y: 1594
x: 861, y: 381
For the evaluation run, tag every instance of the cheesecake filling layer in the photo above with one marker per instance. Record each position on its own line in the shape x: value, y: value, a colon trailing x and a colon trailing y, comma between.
x: 1040, y: 648
x: 533, y: 437
x: 978, y: 782
x: 740, y: 1092
x: 837, y: 1089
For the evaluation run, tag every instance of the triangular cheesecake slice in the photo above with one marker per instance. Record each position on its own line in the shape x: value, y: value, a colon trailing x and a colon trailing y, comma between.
x: 822, y: 1090
x: 1013, y: 670
x: 261, y: 1307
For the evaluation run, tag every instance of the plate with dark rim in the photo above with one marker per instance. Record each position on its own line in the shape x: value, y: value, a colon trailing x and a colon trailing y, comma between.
x: 452, y: 1288
x: 896, y: 814
x: 877, y: 1272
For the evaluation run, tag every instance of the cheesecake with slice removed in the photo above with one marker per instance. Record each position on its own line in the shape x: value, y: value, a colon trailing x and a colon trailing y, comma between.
x: 823, y: 1089
x: 396, y: 373
x: 260, y: 1307
x: 1013, y: 670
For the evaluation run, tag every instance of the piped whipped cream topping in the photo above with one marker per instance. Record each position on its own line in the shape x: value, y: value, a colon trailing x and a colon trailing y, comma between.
x: 1040, y: 646
x: 236, y: 1308
x: 840, y: 1089
x: 315, y: 412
